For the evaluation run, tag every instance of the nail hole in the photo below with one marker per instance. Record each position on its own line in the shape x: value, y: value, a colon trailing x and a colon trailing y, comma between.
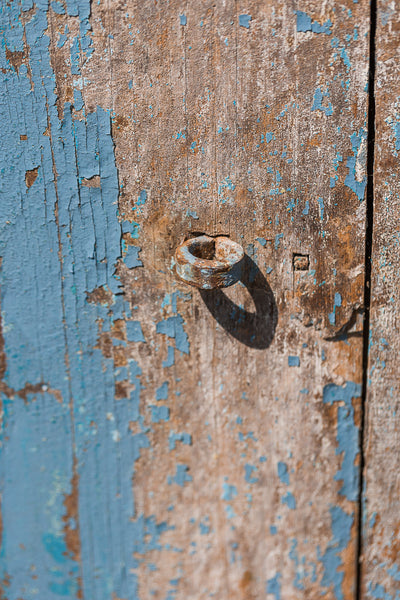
x: 301, y: 262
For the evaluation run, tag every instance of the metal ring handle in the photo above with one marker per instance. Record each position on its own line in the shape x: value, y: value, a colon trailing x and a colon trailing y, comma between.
x: 207, y: 263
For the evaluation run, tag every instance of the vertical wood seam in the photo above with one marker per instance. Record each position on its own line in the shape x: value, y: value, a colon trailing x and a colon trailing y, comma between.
x: 367, y: 284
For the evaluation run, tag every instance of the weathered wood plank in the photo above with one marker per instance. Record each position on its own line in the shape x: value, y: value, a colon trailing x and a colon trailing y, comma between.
x: 381, y: 548
x: 180, y: 447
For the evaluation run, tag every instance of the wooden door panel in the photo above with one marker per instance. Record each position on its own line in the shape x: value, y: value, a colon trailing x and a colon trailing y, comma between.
x: 158, y: 441
x: 381, y: 550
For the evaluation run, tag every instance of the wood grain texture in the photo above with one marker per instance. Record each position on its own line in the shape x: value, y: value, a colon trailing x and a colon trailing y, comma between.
x: 159, y: 442
x: 381, y: 556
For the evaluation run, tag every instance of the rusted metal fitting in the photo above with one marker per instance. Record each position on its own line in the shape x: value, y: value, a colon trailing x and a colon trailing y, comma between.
x: 207, y: 262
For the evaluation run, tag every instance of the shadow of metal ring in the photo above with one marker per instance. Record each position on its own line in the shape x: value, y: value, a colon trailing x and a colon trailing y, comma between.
x: 254, y: 329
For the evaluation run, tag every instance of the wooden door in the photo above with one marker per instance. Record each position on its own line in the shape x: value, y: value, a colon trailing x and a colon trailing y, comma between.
x: 157, y: 441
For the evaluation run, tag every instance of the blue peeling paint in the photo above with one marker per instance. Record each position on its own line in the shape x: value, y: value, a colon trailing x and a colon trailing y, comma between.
x: 131, y: 258
x: 134, y: 332
x: 396, y: 129
x: 283, y: 473
x: 244, y: 21
x: 57, y: 7
x: 63, y: 37
x: 372, y: 520
x: 204, y: 527
x: 141, y: 198
x: 162, y: 392
x: 74, y: 56
x: 183, y: 437
x: 78, y: 100
x: 172, y: 300
x: 229, y: 492
x: 147, y: 534
x: 121, y: 374
x: 305, y: 23
x: 51, y: 329
x: 394, y: 572
x: 182, y: 19
x: 347, y: 435
x: 317, y: 104
x: 181, y: 476
x: 333, y: 577
x: 378, y: 592
x: 248, y: 436
x: 159, y: 413
x: 278, y: 238
x: 346, y: 60
x: 305, y: 569
x: 27, y: 475
x: 395, y: 125
x: 337, y: 303
x: 248, y: 472
x: 358, y: 158
x: 230, y: 513
x: 132, y: 228
x: 173, y: 328
x: 289, y: 500
x: 293, y: 361
x: 306, y: 209
x: 273, y: 586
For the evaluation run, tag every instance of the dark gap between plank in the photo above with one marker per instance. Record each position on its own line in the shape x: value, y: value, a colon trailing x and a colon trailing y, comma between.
x: 367, y: 281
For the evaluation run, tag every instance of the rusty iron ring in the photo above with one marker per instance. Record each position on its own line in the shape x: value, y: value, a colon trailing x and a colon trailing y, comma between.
x: 209, y: 262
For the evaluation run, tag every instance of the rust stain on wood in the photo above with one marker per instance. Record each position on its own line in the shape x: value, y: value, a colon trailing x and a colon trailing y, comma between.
x: 71, y: 517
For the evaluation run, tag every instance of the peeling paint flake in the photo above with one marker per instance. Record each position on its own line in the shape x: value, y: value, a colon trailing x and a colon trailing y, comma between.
x: 341, y: 524
x: 305, y: 23
x: 244, y: 21
x: 347, y: 435
x: 173, y: 328
x: 356, y: 179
